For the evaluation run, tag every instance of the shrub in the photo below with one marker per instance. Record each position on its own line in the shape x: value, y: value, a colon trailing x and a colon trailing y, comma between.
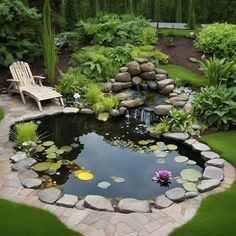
x: 163, y: 126
x: 26, y: 132
x: 106, y: 104
x: 217, y: 106
x: 218, y: 39
x: 93, y: 94
x: 218, y: 71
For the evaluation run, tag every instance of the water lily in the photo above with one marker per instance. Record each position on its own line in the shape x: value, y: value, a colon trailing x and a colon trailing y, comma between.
x: 162, y: 176
x: 76, y: 96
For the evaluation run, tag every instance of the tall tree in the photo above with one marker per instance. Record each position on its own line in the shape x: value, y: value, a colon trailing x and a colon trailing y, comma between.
x: 70, y: 14
x: 191, y: 15
x: 157, y: 10
x: 179, y: 12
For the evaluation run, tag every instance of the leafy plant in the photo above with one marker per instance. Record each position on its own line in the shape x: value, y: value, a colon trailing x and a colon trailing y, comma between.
x: 217, y: 106
x: 93, y: 94
x: 218, y: 39
x: 169, y: 42
x: 163, y: 126
x: 106, y: 104
x: 218, y: 71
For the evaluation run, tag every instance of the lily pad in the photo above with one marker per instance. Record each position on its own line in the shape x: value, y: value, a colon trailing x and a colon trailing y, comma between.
x: 163, y: 148
x: 181, y: 181
x: 104, y: 185
x: 40, y: 148
x: 191, y: 162
x: 143, y: 142
x: 154, y: 148
x: 64, y: 162
x: 151, y: 141
x: 191, y: 187
x: 48, y: 143
x: 74, y: 145
x: 60, y: 151
x: 160, y: 144
x: 172, y: 147
x: 55, y: 166
x: 181, y: 159
x: 66, y: 148
x: 161, y: 161
x: 119, y: 180
x: 190, y: 175
x: 52, y: 149
x: 85, y: 176
x: 140, y: 151
x: 42, y: 166
x: 160, y: 154
x: 52, y: 156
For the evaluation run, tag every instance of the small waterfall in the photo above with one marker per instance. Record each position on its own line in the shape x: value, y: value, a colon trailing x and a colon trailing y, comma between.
x: 146, y: 117
x: 127, y: 116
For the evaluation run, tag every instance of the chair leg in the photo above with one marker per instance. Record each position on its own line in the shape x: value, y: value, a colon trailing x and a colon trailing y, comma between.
x: 40, y: 106
x: 61, y: 101
x: 22, y: 97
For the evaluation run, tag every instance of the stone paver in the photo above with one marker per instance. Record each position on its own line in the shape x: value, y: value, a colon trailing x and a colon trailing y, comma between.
x: 88, y: 222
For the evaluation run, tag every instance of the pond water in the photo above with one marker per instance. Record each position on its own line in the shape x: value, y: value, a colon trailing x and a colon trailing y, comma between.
x: 112, y: 149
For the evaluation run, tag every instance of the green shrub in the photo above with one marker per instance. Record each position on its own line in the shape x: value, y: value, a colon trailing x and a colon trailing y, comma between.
x: 218, y: 39
x: 26, y: 132
x: 217, y: 106
x: 163, y: 126
x: 93, y: 94
x: 106, y: 104
x: 218, y: 71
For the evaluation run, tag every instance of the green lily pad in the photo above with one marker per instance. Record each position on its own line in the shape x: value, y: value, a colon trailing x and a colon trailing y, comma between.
x: 60, y: 151
x: 64, y: 162
x: 48, y: 143
x: 143, y: 142
x: 52, y: 149
x: 42, y: 166
x: 66, y: 148
x: 119, y: 180
x: 161, y: 160
x: 140, y: 151
x: 191, y: 162
x: 40, y: 148
x: 51, y: 156
x: 181, y: 159
x: 74, y: 145
x: 55, y: 166
x: 160, y: 144
x: 163, y: 148
x: 191, y: 187
x: 154, y: 148
x: 172, y: 147
x: 191, y: 175
x: 104, y: 185
x: 160, y: 154
x: 181, y: 181
x: 151, y: 141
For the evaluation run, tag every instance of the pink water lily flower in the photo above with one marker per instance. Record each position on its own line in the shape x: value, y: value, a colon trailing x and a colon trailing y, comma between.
x: 162, y: 176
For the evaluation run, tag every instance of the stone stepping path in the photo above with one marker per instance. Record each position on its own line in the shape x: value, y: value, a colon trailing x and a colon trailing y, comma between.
x: 88, y: 221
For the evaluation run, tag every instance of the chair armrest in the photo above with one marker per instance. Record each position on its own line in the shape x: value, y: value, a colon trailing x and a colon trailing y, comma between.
x: 13, y: 80
x: 39, y: 77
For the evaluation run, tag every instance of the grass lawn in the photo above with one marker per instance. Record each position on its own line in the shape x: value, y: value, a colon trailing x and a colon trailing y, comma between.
x: 217, y: 213
x: 184, y: 74
x: 21, y: 220
x: 1, y: 114
x: 178, y: 32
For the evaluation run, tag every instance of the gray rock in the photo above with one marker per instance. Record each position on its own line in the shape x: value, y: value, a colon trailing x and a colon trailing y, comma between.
x: 181, y: 97
x: 70, y: 110
x: 123, y: 77
x: 19, y: 156
x: 128, y: 205
x: 167, y: 89
x: 67, y: 200
x: 162, y: 202
x: 152, y: 85
x: 161, y: 77
x: 141, y: 60
x: 212, y: 172
x: 156, y: 134
x: 176, y: 194
x: 190, y: 141
x: 163, y: 109
x: 124, y: 95
x: 98, y: 203
x: 27, y: 174
x: 86, y: 111
x: 176, y: 136
x: 31, y: 182
x: 117, y: 86
x: 24, y: 164
x: 209, y: 155
x: 107, y: 87
x: 207, y: 185
x: 133, y: 68
x: 195, y: 127
x: 123, y: 69
x: 80, y: 205
x: 173, y: 95
x: 175, y: 130
x: 136, y: 80
x: 160, y: 71
x: 178, y: 91
x: 179, y: 104
x: 147, y: 67
x: 50, y: 195
x: 163, y: 83
x: 189, y: 108
x: 132, y: 103
x: 114, y: 112
x: 220, y: 163
x: 201, y: 147
x: 191, y: 194
x: 148, y: 75
x: 122, y: 110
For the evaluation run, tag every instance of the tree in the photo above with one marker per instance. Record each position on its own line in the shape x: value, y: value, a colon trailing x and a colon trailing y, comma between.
x: 179, y: 12
x: 157, y: 10
x: 70, y: 14
x: 191, y: 15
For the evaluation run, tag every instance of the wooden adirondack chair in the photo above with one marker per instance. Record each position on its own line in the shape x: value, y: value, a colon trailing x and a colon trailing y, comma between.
x: 25, y: 83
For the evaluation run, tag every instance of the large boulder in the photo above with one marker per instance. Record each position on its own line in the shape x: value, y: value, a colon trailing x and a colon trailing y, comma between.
x: 141, y: 60
x: 107, y: 87
x: 148, y: 75
x: 123, y: 69
x: 133, y: 68
x: 207, y: 185
x: 132, y: 103
x: 50, y: 195
x: 212, y: 172
x: 160, y: 71
x: 86, y: 111
x: 67, y: 200
x: 176, y: 136
x: 188, y: 107
x: 162, y: 202
x: 168, y: 89
x: 31, y: 182
x: 118, y: 86
x: 98, y: 203
x: 24, y: 164
x: 201, y: 147
x: 124, y: 95
x: 136, y: 80
x: 152, y: 85
x: 163, y: 110
x: 19, y: 156
x: 160, y: 77
x: 163, y: 83
x: 147, y: 67
x: 123, y: 77
x: 128, y: 205
x: 176, y: 194
x: 220, y: 163
x: 208, y: 155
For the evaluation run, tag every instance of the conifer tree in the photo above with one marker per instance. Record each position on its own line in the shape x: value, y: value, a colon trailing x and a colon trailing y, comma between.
x: 179, y: 12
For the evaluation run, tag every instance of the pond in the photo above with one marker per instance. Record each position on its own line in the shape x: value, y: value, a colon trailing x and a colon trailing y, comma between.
x: 112, y: 152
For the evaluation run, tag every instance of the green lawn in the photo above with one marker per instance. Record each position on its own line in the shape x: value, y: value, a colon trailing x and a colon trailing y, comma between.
x: 217, y: 213
x: 178, y: 32
x: 184, y: 74
x: 1, y: 114
x: 21, y: 220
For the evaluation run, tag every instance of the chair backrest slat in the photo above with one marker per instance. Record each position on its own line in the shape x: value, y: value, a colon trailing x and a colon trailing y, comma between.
x: 21, y: 71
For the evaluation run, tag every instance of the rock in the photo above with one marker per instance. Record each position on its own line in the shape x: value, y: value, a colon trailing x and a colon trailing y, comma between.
x: 112, y: 80
x: 124, y: 95
x: 114, y: 112
x: 123, y: 69
x: 98, y: 203
x: 175, y: 130
x: 148, y: 75
x: 191, y: 194
x: 160, y: 71
x: 136, y: 80
x: 173, y: 95
x: 220, y: 163
x: 132, y: 103
x: 163, y: 83
x: 67, y: 200
x: 28, y: 174
x: 50, y: 195
x: 70, y: 110
x: 190, y: 141
x: 167, y: 89
x: 107, y: 87
x: 201, y: 147
x: 179, y: 104
x: 189, y: 108
x: 207, y: 185
x: 147, y: 67
x: 209, y: 155
x: 163, y: 110
x: 80, y: 205
x: 133, y: 68
x: 161, y: 77
x: 103, y: 116
x: 176, y: 194
x: 152, y: 85
x: 24, y: 164
x: 178, y: 91
x: 86, y: 111
x: 156, y: 134
x: 162, y: 202
x: 122, y: 110
x: 19, y: 156
x: 182, y: 97
x: 128, y: 205
x: 123, y: 77
x: 117, y: 86
x: 31, y: 182
x: 212, y: 172
x: 141, y: 60
x: 195, y: 127
x: 176, y: 136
